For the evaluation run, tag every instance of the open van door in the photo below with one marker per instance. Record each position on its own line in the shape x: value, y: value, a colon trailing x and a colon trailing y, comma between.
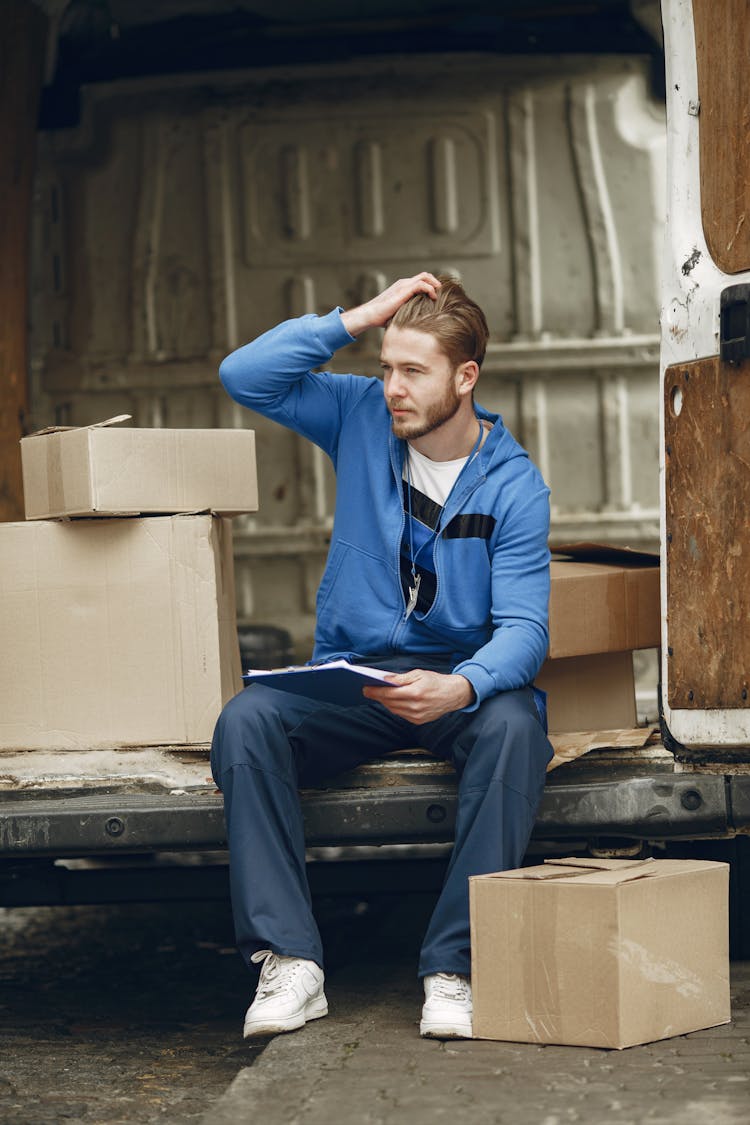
x: 705, y: 380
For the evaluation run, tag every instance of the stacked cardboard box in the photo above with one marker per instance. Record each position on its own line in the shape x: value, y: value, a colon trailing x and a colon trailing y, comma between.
x: 119, y: 629
x: 604, y: 603
x: 105, y: 470
x: 117, y: 606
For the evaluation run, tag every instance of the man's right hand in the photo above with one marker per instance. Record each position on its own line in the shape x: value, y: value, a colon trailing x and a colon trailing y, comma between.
x: 375, y: 313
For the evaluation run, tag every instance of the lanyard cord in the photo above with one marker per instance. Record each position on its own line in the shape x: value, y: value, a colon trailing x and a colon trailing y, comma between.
x: 412, y: 557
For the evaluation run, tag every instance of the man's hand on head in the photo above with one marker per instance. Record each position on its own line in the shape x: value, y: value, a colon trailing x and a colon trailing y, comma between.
x: 375, y: 313
x: 420, y: 696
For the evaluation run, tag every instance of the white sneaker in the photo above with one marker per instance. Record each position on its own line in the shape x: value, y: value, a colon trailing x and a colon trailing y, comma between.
x: 447, y: 1008
x: 289, y: 993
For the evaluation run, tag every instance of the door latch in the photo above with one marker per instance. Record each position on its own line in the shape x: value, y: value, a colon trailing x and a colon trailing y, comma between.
x: 734, y: 324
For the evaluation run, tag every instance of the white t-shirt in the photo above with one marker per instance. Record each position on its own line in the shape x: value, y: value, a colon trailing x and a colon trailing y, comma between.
x: 433, y: 478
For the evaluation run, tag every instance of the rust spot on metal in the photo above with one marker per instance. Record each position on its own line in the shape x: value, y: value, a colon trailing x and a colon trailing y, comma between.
x: 690, y: 263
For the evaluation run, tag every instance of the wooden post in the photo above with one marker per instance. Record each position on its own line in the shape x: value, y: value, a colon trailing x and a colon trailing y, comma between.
x: 22, y: 43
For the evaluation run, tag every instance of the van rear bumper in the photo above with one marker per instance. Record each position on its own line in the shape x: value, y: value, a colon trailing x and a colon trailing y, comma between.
x: 384, y: 803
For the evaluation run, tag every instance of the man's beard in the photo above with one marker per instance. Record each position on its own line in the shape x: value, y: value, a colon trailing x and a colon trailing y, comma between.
x: 436, y: 415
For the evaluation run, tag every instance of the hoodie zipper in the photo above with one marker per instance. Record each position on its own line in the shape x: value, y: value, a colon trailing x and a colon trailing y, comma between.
x: 397, y: 471
x: 455, y: 502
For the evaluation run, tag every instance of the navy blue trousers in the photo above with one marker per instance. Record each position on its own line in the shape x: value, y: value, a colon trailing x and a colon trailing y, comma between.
x: 269, y: 743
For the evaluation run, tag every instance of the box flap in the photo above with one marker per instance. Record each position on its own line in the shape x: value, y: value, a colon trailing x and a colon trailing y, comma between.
x: 605, y: 553
x: 592, y: 864
x: 602, y: 872
x: 608, y: 872
x: 569, y: 745
x: 95, y: 425
x: 648, y: 868
x: 528, y: 873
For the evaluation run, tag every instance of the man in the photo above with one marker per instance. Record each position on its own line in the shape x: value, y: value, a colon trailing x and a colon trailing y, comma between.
x: 438, y: 570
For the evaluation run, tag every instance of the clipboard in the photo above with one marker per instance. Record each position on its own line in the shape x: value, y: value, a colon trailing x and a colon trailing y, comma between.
x: 338, y: 682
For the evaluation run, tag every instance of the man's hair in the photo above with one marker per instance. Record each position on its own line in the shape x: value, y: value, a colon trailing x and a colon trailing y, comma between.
x: 457, y: 322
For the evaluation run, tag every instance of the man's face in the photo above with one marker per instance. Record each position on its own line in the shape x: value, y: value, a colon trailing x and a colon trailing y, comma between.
x: 419, y: 382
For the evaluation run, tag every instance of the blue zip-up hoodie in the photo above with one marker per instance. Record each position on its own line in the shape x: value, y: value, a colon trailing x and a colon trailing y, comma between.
x: 489, y: 616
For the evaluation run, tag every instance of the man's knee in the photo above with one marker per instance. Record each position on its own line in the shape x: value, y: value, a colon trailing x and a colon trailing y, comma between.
x: 510, y: 737
x: 249, y: 731
x: 510, y: 714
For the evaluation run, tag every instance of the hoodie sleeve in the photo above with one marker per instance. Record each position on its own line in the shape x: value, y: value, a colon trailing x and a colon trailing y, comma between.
x: 273, y: 376
x: 520, y: 600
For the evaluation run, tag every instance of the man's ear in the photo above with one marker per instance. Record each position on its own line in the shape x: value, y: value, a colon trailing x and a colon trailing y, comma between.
x: 467, y: 375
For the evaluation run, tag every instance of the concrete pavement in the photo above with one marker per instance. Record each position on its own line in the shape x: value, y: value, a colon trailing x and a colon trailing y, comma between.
x: 132, y: 1015
x: 365, y: 1064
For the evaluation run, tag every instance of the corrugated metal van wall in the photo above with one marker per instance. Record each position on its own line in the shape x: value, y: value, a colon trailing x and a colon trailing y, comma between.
x: 184, y: 217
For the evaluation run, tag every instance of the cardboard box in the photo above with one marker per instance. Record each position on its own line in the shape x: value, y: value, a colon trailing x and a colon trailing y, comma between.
x: 116, y: 632
x: 600, y: 953
x: 106, y: 470
x: 586, y: 693
x: 603, y: 600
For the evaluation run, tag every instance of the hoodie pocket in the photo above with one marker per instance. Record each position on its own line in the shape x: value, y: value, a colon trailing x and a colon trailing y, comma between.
x: 357, y: 599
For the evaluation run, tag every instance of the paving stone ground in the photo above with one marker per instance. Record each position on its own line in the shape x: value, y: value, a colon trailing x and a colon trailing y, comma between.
x: 132, y: 1015
x: 365, y: 1064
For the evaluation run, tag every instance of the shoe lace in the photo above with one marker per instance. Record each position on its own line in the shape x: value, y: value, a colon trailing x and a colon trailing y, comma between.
x: 277, y: 974
x: 451, y: 986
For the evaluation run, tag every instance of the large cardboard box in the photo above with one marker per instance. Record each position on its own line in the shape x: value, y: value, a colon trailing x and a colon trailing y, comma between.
x: 600, y: 953
x: 108, y: 470
x: 590, y: 693
x: 116, y: 632
x: 603, y: 599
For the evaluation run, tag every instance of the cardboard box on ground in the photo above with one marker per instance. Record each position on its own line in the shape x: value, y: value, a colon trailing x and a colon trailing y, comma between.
x: 600, y: 953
